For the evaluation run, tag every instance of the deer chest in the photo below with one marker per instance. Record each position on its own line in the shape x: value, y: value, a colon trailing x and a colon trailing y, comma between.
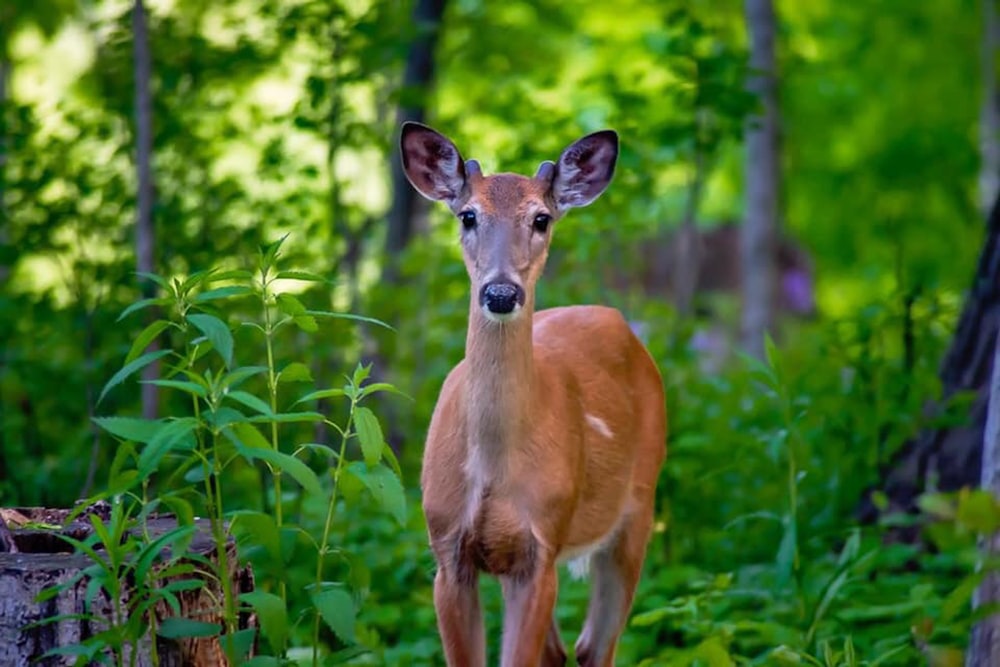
x: 498, y: 541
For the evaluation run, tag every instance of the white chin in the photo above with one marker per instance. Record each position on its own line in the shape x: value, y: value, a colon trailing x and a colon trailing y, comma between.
x: 502, y: 318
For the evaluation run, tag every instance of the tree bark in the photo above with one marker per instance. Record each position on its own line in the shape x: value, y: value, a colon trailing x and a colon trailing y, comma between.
x: 41, y: 561
x: 417, y: 79
x: 687, y: 253
x: 984, y: 646
x: 989, y: 114
x: 144, y: 230
x: 762, y: 181
x: 953, y: 456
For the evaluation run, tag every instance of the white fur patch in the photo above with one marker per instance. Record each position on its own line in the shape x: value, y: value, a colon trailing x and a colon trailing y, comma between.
x: 599, y: 425
x: 579, y: 567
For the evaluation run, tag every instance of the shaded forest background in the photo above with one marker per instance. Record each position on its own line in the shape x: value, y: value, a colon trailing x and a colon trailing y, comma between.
x: 268, y: 119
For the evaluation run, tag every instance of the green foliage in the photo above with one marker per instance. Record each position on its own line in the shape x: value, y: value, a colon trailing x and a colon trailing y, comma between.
x: 275, y: 118
x: 240, y: 422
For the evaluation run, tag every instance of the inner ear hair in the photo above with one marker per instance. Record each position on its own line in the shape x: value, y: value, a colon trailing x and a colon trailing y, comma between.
x: 546, y: 171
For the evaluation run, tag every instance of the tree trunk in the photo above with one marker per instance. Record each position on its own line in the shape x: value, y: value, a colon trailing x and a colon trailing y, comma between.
x: 952, y: 456
x: 144, y: 231
x: 989, y: 114
x: 762, y: 174
x: 687, y: 253
x: 417, y: 79
x: 40, y: 560
x: 984, y: 647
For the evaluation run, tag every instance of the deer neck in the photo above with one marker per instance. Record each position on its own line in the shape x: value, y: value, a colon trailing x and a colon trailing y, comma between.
x: 499, y: 386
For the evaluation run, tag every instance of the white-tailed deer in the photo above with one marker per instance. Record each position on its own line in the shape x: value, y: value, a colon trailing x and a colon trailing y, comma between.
x: 548, y: 438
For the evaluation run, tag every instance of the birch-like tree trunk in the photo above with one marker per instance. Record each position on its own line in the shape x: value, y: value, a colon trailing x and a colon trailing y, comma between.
x: 989, y: 113
x: 762, y: 181
x: 984, y: 646
x: 144, y: 231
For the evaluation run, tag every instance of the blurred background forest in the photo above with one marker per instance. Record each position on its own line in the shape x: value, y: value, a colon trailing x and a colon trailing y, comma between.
x: 174, y: 136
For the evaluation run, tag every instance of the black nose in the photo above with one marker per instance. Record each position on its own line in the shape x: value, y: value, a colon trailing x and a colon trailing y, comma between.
x: 501, y: 298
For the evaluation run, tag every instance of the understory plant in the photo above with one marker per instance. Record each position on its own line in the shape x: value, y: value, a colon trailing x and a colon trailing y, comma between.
x: 240, y: 448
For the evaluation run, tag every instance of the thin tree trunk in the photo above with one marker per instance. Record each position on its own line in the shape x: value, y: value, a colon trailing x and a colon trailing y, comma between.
x: 989, y: 114
x: 984, y: 647
x: 417, y: 79
x: 144, y: 231
x: 687, y: 252
x: 762, y: 175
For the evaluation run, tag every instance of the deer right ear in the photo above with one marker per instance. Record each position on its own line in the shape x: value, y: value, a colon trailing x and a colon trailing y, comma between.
x: 432, y: 163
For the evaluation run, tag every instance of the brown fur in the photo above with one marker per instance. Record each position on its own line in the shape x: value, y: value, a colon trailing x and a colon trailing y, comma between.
x: 547, y: 438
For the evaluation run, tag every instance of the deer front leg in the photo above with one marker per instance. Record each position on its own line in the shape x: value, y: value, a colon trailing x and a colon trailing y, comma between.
x: 528, y: 606
x: 460, y: 618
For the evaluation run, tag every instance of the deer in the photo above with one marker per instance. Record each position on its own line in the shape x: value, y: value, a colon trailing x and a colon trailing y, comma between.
x: 547, y: 439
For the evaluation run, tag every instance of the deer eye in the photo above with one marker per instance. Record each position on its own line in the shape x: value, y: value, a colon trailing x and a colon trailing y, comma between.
x: 541, y: 222
x: 468, y: 219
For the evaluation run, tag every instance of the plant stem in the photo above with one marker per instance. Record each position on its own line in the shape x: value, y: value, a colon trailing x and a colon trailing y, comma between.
x: 323, y: 546
x: 221, y: 543
x: 272, y: 388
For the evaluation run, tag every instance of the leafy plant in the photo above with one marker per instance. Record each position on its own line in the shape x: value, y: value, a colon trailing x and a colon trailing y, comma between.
x: 231, y: 432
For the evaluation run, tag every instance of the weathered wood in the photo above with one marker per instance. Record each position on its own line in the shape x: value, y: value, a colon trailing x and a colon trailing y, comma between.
x: 43, y: 560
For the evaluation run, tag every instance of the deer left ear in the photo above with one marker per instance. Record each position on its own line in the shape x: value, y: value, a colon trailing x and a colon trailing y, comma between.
x: 585, y: 169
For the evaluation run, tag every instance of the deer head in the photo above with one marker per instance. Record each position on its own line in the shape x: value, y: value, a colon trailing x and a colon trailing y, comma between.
x: 506, y: 219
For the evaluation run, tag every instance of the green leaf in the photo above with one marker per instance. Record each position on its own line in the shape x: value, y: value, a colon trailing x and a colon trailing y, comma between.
x: 143, y: 303
x: 147, y: 336
x: 176, y: 627
x: 222, y: 293
x: 225, y: 416
x: 233, y: 274
x: 263, y: 661
x: 151, y: 551
x: 250, y: 401
x: 978, y: 511
x: 130, y: 368
x: 322, y: 393
x: 131, y: 428
x: 238, y: 375
x: 295, y: 372
x: 370, y: 435
x: 289, y: 417
x: 262, y: 530
x: 158, y: 279
x: 336, y: 608
x: 182, y: 385
x: 345, y: 655
x: 384, y: 486
x: 383, y: 387
x: 290, y: 305
x: 176, y: 434
x: 302, y: 275
x: 350, y: 316
x: 216, y: 332
x: 272, y: 615
x: 249, y: 436
x: 290, y: 465
x: 238, y: 644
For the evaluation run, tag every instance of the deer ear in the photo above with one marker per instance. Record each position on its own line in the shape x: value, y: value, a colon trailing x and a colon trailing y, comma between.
x: 432, y: 163
x: 585, y: 169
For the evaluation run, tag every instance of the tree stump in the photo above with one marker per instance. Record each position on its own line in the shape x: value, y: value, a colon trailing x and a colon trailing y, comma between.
x: 42, y: 560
